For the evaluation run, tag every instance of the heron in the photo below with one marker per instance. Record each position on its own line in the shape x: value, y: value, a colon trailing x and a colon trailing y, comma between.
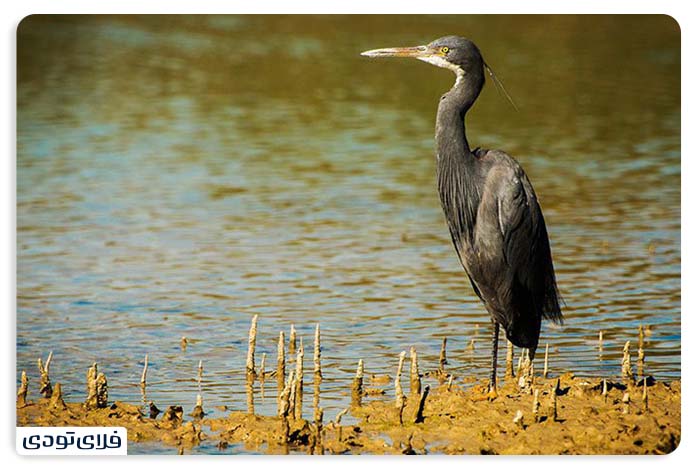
x: 492, y: 212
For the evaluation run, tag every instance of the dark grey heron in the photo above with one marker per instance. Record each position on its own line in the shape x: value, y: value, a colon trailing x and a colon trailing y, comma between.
x: 492, y: 212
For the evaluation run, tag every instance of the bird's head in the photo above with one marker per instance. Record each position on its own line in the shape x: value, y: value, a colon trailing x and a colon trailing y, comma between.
x: 452, y: 52
x: 455, y: 53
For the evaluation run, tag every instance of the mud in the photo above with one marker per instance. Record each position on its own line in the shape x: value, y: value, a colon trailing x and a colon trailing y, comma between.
x: 465, y: 421
x: 458, y: 420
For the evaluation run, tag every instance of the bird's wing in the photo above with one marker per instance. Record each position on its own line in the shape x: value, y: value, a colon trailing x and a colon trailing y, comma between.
x: 519, y: 220
x: 526, y: 248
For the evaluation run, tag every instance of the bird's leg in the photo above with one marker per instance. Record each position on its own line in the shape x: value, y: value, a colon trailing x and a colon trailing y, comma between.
x: 493, y: 389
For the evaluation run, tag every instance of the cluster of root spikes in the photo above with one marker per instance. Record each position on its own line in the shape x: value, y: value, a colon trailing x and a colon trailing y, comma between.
x: 287, y: 430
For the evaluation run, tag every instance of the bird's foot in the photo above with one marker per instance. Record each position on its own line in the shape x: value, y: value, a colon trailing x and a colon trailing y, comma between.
x: 492, y: 393
x: 489, y: 394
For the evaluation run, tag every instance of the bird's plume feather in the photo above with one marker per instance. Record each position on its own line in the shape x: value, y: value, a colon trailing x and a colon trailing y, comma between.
x: 499, y: 86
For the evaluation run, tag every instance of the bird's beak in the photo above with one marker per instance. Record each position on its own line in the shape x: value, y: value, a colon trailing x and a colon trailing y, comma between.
x: 415, y: 52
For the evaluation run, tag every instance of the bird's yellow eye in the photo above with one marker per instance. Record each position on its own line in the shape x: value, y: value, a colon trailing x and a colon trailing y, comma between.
x: 444, y: 50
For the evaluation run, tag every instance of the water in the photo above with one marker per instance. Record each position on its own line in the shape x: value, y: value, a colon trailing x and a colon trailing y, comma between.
x: 177, y: 175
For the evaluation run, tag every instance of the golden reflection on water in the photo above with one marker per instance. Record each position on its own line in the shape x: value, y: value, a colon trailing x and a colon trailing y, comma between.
x: 178, y: 174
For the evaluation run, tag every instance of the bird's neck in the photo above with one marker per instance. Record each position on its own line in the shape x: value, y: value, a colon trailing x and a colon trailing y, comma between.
x: 456, y: 166
x: 450, y: 131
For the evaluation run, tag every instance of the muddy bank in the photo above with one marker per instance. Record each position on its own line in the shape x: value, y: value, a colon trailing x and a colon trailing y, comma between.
x: 430, y: 411
x: 585, y: 421
x: 454, y: 420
